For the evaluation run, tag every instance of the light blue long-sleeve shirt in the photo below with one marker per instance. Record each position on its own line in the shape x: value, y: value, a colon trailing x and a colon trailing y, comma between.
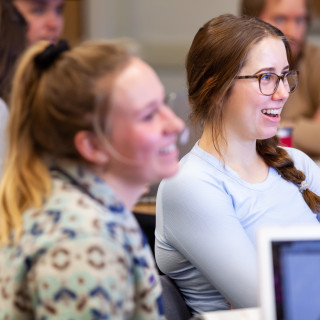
x: 207, y: 220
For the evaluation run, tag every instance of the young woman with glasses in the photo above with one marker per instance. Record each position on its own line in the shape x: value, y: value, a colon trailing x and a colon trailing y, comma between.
x: 236, y: 178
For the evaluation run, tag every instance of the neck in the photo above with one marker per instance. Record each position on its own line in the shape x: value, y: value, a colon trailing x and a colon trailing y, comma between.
x: 240, y: 155
x: 127, y: 191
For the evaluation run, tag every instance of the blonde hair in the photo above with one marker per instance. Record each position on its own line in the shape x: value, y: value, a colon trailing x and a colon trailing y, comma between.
x: 48, y: 108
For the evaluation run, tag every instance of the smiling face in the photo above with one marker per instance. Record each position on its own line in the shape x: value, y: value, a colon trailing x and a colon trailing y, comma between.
x: 250, y: 115
x: 44, y: 18
x: 291, y: 18
x: 143, y: 128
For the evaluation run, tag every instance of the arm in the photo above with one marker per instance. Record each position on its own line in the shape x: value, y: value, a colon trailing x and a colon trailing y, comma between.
x: 202, y: 225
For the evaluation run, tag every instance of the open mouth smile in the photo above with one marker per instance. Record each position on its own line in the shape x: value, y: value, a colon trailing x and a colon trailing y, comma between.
x: 274, y: 113
x: 168, y: 149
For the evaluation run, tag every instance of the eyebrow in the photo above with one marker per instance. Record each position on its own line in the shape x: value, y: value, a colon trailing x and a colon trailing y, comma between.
x: 43, y: 2
x: 150, y: 107
x: 286, y: 68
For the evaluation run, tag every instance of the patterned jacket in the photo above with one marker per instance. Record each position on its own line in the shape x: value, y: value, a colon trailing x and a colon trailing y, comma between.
x: 81, y: 256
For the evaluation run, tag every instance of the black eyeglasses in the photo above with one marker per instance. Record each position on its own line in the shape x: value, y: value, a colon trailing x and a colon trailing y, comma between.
x: 269, y: 82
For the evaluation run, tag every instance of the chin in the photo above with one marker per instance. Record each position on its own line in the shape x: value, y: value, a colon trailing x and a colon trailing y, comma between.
x: 268, y: 134
x: 167, y: 173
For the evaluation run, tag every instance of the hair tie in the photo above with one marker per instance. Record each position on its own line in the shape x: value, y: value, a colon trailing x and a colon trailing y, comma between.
x: 47, y: 57
x: 303, y: 186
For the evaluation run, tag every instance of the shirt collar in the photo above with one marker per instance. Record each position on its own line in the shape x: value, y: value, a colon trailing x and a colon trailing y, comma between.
x: 89, y: 182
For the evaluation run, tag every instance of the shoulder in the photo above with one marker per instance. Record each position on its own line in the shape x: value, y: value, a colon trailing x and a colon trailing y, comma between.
x: 196, y: 168
x: 301, y: 160
x: 201, y: 177
x: 310, y: 59
x: 70, y: 215
x: 311, y: 50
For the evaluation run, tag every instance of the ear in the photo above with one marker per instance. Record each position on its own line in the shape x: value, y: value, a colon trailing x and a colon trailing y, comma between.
x: 88, y: 146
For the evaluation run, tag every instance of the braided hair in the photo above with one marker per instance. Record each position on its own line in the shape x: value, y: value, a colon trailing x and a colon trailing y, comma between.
x: 213, y: 63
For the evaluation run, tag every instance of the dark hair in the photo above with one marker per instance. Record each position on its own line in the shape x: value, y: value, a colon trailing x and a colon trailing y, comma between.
x: 217, y: 54
x: 13, y: 41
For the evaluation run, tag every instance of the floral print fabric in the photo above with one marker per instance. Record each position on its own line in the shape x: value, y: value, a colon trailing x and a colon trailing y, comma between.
x: 81, y: 256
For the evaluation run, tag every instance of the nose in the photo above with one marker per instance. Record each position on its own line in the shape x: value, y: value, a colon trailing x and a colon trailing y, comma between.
x: 173, y: 124
x: 290, y: 29
x: 295, y: 29
x: 281, y: 93
x: 54, y: 21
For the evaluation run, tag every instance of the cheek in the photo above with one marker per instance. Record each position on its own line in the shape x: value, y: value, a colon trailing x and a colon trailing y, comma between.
x: 61, y: 26
x: 146, y: 145
x: 35, y: 27
x: 137, y: 144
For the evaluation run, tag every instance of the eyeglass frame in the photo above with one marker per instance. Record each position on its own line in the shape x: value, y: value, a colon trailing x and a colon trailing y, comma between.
x: 259, y: 76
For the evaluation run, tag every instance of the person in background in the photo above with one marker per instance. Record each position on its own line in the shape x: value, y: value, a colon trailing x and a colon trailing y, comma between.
x: 44, y: 17
x: 13, y: 41
x: 236, y: 178
x: 88, y: 131
x: 302, y: 111
x: 22, y: 23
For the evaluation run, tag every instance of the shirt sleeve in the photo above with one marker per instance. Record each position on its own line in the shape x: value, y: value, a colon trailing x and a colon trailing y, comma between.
x: 200, y: 222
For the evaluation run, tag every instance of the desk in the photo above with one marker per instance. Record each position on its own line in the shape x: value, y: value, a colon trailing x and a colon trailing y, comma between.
x: 145, y: 208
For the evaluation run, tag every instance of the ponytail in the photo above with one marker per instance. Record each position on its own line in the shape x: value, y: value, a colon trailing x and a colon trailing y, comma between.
x: 56, y: 93
x: 279, y: 159
x: 26, y: 181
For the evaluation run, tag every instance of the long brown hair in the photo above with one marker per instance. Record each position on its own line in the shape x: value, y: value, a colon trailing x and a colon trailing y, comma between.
x: 217, y: 54
x: 48, y: 108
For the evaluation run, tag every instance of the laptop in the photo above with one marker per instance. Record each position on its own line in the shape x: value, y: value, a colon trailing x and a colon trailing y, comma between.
x: 178, y: 102
x: 289, y: 285
x: 289, y: 265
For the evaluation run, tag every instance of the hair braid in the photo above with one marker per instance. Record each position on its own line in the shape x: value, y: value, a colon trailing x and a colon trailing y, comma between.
x: 279, y: 159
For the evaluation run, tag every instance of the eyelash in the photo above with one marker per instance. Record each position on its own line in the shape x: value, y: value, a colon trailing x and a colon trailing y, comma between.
x: 149, y: 116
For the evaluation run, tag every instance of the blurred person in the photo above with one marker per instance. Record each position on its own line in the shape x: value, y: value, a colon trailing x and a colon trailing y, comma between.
x: 44, y: 18
x: 23, y: 22
x: 236, y: 178
x: 88, y: 131
x: 302, y: 111
x: 13, y: 41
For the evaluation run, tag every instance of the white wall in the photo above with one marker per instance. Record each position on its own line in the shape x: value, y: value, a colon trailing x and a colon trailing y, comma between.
x: 163, y: 29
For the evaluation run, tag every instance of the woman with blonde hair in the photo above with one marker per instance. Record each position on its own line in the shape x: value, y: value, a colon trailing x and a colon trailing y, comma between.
x: 88, y: 131
x: 236, y: 178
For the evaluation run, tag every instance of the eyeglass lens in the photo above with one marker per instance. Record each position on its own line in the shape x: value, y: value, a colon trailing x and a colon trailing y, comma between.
x: 269, y: 82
